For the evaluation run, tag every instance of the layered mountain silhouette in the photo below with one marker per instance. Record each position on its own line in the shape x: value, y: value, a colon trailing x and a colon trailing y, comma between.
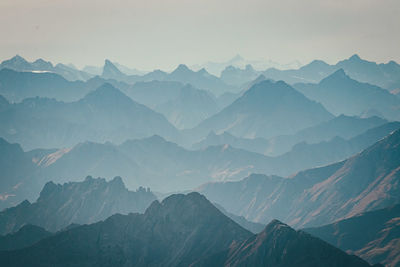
x: 340, y: 94
x: 267, y: 109
x: 182, y: 230
x: 383, y: 75
x: 18, y: 63
x: 105, y: 114
x: 373, y: 236
x: 75, y: 202
x: 318, y: 196
x: 16, y: 86
x: 183, y: 105
x: 344, y: 127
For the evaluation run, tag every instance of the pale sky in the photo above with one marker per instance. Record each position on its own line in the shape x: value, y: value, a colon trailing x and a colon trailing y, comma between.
x: 161, y: 34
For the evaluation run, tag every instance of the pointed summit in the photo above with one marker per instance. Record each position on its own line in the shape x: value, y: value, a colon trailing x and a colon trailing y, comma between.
x: 355, y: 57
x: 181, y: 69
x: 110, y: 71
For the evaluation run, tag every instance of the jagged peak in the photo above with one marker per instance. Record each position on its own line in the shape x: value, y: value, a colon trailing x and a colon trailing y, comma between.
x: 355, y: 57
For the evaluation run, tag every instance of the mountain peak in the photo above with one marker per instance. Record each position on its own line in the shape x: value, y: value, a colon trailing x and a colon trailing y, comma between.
x: 355, y: 57
x: 182, y: 68
x: 110, y: 70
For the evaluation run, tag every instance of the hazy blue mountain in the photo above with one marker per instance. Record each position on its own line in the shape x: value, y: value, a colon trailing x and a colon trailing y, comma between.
x: 176, y: 232
x: 236, y: 76
x: 200, y: 79
x: 385, y: 75
x: 373, y: 236
x: 26, y: 236
x: 110, y: 71
x: 75, y: 202
x: 16, y: 167
x: 280, y: 245
x: 183, y: 105
x: 16, y: 86
x: 191, y: 107
x: 182, y: 230
x: 267, y: 109
x: 342, y: 126
x: 19, y: 64
x: 364, y: 182
x: 340, y: 94
x: 105, y: 114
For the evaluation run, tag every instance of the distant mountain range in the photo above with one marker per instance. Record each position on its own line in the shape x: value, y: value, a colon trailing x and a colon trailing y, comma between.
x: 75, y: 202
x: 342, y: 95
x: 182, y: 230
x: 105, y: 114
x: 265, y: 110
x: 318, y: 196
x: 162, y: 165
x: 18, y: 63
x: 345, y: 127
x: 373, y: 236
x: 383, y: 75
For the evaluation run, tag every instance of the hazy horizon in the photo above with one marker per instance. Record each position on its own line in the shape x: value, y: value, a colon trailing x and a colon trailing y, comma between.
x: 162, y: 34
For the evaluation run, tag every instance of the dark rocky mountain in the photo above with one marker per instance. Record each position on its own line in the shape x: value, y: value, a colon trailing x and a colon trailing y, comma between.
x: 105, y: 114
x: 26, y: 236
x: 176, y: 232
x: 383, y: 75
x: 182, y: 230
x: 75, y: 202
x: 280, y: 245
x: 267, y: 109
x: 341, y: 94
x: 373, y: 236
x: 16, y: 86
x: 19, y: 64
x: 367, y: 181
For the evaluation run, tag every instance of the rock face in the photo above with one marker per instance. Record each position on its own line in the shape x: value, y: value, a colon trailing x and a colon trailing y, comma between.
x: 373, y: 236
x: 367, y: 181
x: 76, y: 202
x: 280, y: 245
x: 182, y: 230
x: 175, y: 232
x: 267, y: 109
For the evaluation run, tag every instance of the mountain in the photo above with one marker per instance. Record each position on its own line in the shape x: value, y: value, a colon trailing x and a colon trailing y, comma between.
x: 373, y: 236
x: 280, y: 245
x: 191, y: 107
x: 200, y: 79
x: 383, y: 75
x: 183, y: 105
x: 340, y: 94
x: 75, y: 202
x: 267, y: 109
x: 105, y: 114
x: 19, y: 64
x: 364, y: 182
x: 110, y: 71
x: 16, y: 86
x: 236, y: 76
x: 182, y: 230
x: 176, y: 232
x: 239, y: 62
x: 16, y: 166
x: 343, y: 127
x: 24, y: 237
